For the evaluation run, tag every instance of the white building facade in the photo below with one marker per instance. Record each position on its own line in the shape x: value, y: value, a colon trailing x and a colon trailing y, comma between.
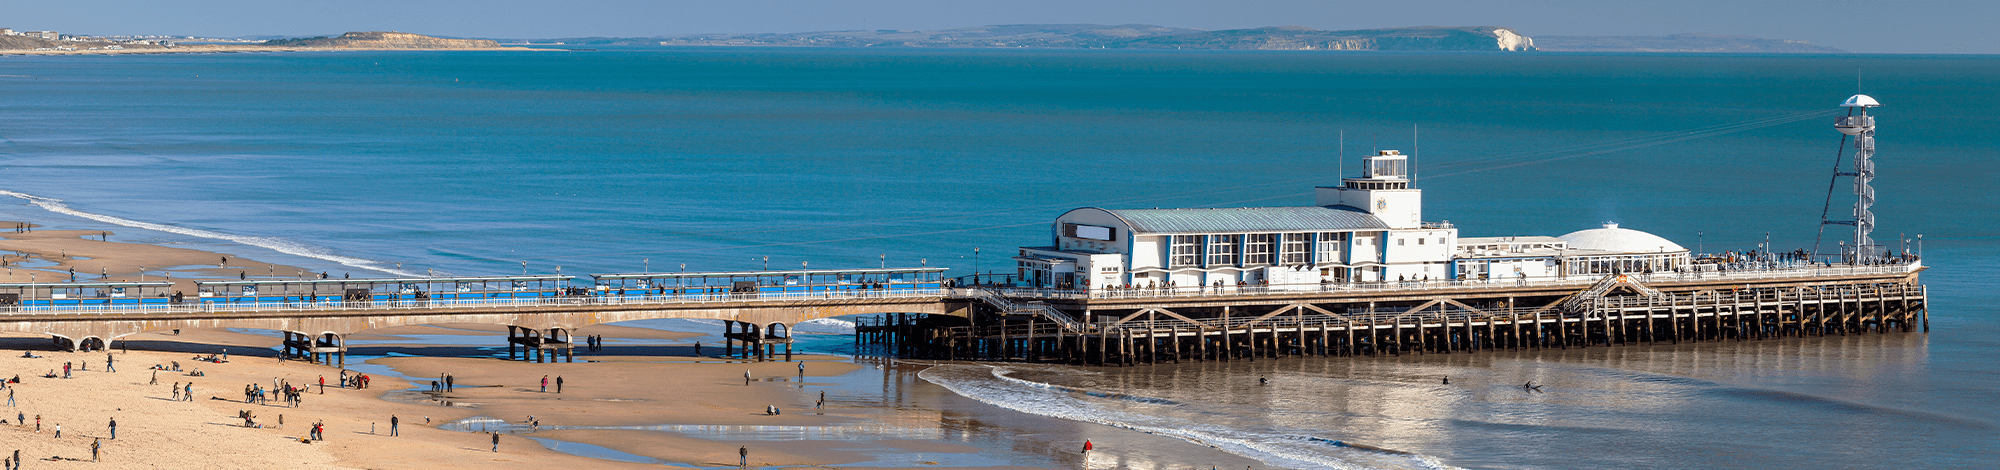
x: 1368, y: 229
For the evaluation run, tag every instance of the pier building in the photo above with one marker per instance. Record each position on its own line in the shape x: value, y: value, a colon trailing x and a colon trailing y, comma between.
x: 1368, y: 229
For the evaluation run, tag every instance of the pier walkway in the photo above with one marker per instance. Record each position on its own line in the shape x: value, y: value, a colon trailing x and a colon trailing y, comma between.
x: 922, y: 314
x: 1120, y: 327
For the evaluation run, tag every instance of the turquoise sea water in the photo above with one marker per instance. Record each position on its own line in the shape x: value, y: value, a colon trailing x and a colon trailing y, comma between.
x: 623, y: 160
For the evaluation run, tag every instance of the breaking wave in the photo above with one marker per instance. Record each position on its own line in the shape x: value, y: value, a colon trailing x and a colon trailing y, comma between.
x: 273, y: 243
x: 993, y: 385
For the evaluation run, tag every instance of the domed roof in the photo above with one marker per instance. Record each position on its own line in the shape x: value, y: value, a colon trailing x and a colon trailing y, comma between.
x: 1621, y: 240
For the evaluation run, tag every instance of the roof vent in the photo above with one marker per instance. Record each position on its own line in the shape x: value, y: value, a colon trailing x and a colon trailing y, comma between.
x: 1610, y: 225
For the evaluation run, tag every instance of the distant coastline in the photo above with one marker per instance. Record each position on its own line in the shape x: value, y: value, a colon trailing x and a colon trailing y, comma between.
x: 353, y: 41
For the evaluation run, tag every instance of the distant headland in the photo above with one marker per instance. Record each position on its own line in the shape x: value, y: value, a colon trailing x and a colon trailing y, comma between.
x: 1146, y: 36
x: 52, y: 43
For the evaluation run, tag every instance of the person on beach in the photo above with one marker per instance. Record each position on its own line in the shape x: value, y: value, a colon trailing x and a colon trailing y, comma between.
x: 1087, y: 447
x: 58, y: 430
x: 65, y: 370
x: 1447, y: 380
x: 393, y: 422
x: 448, y: 382
x: 802, y: 368
x: 496, y: 442
x: 177, y: 391
x: 746, y: 377
x: 156, y: 378
x: 187, y: 394
x: 322, y: 384
x: 10, y: 397
x: 559, y: 384
x: 95, y: 444
x: 108, y: 367
x: 114, y: 429
x: 545, y: 384
x: 743, y: 457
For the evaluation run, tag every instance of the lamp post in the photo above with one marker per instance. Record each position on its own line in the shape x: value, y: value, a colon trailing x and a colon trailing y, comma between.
x: 648, y: 269
x: 767, y: 262
x: 975, y: 265
x: 885, y: 261
x: 524, y: 267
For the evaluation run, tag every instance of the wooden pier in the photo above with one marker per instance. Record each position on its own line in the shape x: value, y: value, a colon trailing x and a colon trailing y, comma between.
x: 1615, y: 311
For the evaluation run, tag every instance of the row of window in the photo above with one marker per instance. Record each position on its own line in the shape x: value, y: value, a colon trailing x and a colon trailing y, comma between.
x: 1252, y: 249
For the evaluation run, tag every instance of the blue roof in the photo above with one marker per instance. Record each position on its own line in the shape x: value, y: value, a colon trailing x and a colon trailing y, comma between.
x: 1250, y: 219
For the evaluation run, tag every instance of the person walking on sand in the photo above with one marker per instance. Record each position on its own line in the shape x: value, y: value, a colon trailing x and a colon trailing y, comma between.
x: 95, y: 444
x: 156, y: 378
x: 65, y: 370
x: 559, y: 384
x: 1087, y: 447
x: 322, y: 384
x: 10, y: 397
x: 58, y: 430
x: 496, y: 442
x: 187, y: 393
x: 545, y: 384
x: 108, y: 365
x: 177, y: 391
x: 114, y: 429
x: 743, y: 457
x: 746, y: 377
x: 393, y: 422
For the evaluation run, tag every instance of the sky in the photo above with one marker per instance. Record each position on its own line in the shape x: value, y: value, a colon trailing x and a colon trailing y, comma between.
x: 1877, y: 26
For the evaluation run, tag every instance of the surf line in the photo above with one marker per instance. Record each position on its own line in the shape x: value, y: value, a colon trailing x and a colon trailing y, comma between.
x: 271, y: 243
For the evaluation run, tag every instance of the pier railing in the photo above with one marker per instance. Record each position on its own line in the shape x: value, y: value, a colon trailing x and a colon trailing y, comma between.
x: 1801, y: 272
x: 338, y: 305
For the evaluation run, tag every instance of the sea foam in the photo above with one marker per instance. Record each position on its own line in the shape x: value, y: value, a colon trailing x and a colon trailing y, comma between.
x: 995, y: 387
x: 273, y: 243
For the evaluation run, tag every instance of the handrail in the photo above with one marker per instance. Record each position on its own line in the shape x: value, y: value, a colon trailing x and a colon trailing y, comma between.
x: 200, y: 305
x: 1445, y: 285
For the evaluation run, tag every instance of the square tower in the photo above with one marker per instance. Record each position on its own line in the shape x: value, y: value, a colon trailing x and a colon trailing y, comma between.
x: 1383, y: 189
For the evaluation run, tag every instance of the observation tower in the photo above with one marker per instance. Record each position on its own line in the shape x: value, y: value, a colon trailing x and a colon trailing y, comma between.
x: 1859, y: 126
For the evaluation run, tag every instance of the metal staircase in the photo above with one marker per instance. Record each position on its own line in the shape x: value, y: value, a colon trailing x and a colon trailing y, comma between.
x: 1583, y: 301
x: 1010, y: 307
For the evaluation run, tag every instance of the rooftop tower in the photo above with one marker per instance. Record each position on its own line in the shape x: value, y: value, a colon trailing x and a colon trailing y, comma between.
x: 1383, y: 189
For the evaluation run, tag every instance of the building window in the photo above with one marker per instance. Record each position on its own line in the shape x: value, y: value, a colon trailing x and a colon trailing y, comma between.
x: 1258, y: 248
x: 1420, y: 241
x: 1187, y: 251
x: 1222, y: 249
x: 1399, y: 241
x: 1294, y: 249
x: 1330, y: 244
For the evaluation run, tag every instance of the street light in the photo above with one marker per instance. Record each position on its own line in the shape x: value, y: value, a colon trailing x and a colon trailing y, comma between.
x: 975, y: 265
x: 649, y: 266
x: 767, y: 262
x: 885, y: 261
x: 524, y: 267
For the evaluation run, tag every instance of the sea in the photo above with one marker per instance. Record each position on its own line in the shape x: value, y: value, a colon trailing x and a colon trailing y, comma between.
x: 656, y: 159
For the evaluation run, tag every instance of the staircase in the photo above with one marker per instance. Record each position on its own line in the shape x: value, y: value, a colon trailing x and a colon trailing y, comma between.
x: 1582, y: 301
x: 1010, y: 307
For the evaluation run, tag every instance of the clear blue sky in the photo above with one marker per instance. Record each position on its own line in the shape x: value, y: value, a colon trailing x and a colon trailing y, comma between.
x: 1906, y: 26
